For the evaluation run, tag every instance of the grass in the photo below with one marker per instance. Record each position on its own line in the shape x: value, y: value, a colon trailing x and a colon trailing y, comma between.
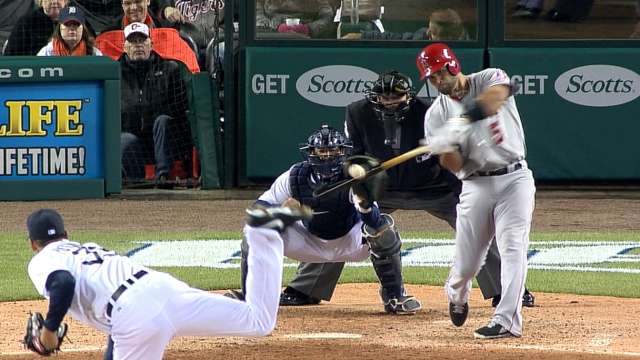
x: 16, y: 285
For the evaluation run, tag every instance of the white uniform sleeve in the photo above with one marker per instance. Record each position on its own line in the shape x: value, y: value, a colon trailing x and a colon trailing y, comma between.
x: 279, y: 191
x: 434, y: 118
x: 43, y: 264
x: 492, y: 76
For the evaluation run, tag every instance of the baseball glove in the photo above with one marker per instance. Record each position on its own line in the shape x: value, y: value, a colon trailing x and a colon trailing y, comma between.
x: 31, y: 341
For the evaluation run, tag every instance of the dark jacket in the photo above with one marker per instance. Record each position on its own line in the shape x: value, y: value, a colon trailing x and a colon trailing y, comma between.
x: 149, y: 89
x: 103, y: 14
x: 422, y: 175
x: 12, y: 11
x: 32, y: 32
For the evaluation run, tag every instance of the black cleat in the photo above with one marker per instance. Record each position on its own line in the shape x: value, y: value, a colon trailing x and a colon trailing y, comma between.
x: 277, y: 218
x: 404, y: 305
x: 458, y: 313
x: 235, y: 294
x: 293, y: 297
x: 491, y: 331
x: 528, y: 300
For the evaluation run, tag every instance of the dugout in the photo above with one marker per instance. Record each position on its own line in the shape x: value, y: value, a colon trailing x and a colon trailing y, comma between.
x: 580, y: 80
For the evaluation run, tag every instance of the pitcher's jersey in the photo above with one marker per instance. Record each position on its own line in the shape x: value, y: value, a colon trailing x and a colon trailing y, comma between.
x: 98, y: 273
x: 480, y: 152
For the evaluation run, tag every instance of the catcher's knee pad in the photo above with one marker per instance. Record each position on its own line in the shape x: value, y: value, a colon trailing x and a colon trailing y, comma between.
x: 385, y: 241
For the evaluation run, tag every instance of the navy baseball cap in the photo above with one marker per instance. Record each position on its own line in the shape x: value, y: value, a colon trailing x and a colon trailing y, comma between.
x: 45, y: 224
x: 71, y: 13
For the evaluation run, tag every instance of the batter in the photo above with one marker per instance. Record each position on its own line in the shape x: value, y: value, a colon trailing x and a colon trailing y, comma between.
x: 486, y: 150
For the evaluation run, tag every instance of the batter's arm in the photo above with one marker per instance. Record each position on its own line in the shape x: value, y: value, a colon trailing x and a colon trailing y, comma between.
x: 492, y: 99
x: 452, y: 161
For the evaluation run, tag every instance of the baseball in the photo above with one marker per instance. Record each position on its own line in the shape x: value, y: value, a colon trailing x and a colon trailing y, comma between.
x: 357, y: 171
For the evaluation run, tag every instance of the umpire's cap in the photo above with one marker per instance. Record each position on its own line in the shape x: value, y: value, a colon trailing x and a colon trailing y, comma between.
x: 45, y: 224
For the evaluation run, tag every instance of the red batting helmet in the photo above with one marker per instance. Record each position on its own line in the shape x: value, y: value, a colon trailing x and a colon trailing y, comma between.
x: 434, y: 57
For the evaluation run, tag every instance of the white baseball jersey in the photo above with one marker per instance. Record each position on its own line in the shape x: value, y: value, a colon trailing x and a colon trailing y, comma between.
x: 279, y: 191
x: 98, y: 273
x: 481, y: 152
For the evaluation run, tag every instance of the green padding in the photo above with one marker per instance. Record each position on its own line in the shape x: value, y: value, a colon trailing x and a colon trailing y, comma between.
x: 567, y: 140
x: 278, y: 118
x: 51, y: 190
x: 207, y: 130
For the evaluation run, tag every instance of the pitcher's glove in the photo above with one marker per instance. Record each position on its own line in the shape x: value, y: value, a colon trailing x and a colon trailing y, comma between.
x: 35, y: 325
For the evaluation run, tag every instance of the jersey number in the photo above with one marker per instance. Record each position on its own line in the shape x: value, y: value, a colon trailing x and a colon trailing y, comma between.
x: 496, y: 133
x: 97, y: 252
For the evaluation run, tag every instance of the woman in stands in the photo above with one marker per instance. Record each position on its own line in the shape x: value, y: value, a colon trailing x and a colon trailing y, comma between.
x: 71, y: 36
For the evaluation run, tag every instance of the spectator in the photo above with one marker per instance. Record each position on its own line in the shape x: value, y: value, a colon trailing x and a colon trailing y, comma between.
x: 205, y: 18
x: 308, y: 18
x: 443, y: 24
x: 528, y: 9
x: 105, y: 14
x: 34, y: 30
x: 70, y: 37
x: 154, y: 106
x: 446, y: 24
x: 12, y: 11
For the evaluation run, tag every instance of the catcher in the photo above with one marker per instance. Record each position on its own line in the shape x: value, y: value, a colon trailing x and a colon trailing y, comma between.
x: 142, y: 309
x: 347, y: 225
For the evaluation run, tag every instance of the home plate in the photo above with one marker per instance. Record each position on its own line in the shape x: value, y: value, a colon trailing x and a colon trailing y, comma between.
x: 326, y: 335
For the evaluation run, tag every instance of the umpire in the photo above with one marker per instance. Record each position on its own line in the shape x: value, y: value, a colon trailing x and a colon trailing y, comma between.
x: 389, y: 122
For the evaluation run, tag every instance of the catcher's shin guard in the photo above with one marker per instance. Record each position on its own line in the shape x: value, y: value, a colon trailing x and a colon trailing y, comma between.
x: 385, y: 256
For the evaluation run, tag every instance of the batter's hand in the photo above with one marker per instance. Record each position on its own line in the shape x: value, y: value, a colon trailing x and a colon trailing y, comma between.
x: 450, y: 136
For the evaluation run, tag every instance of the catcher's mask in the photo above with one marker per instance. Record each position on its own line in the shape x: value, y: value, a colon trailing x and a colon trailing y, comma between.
x: 326, y: 149
x: 434, y: 57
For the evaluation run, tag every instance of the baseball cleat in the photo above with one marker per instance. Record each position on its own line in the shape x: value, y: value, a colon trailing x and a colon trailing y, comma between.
x: 458, y: 313
x: 528, y: 299
x: 492, y: 331
x: 235, y: 294
x: 293, y: 297
x: 405, y: 305
x: 277, y: 218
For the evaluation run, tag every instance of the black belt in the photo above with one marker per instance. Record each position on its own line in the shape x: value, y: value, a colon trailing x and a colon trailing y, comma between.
x: 121, y: 289
x: 502, y: 171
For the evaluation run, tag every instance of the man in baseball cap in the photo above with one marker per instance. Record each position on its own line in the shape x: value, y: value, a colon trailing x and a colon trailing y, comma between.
x: 137, y: 43
x: 45, y: 225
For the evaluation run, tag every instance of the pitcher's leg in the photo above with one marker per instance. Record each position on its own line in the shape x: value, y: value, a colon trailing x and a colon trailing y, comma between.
x: 196, y: 312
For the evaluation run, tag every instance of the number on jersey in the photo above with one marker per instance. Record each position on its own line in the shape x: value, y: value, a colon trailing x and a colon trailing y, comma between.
x: 93, y: 253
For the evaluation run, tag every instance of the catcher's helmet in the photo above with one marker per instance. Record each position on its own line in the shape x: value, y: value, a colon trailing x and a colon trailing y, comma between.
x: 434, y: 57
x: 326, y: 149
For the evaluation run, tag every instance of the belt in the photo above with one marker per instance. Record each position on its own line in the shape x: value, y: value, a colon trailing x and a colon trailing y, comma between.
x: 121, y: 289
x: 502, y: 171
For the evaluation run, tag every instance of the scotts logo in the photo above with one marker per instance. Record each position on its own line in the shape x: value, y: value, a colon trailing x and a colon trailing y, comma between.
x: 598, y: 85
x: 335, y: 85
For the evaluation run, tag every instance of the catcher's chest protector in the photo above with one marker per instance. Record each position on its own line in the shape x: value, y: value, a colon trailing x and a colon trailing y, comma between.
x: 334, y: 214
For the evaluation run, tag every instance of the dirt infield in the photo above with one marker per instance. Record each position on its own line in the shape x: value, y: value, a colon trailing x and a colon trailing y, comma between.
x: 352, y: 326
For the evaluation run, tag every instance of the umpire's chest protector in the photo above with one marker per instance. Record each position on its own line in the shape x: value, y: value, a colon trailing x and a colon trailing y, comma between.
x: 334, y: 215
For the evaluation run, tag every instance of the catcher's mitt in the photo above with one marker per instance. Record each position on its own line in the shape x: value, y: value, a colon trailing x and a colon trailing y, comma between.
x: 31, y: 341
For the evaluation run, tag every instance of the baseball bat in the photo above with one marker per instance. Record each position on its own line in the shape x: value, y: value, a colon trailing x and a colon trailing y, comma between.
x: 382, y: 167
